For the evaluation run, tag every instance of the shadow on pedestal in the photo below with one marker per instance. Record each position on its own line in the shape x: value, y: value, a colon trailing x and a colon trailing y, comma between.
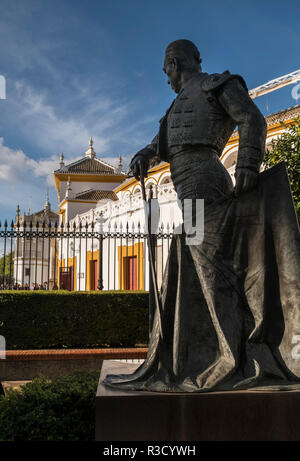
x: 148, y: 416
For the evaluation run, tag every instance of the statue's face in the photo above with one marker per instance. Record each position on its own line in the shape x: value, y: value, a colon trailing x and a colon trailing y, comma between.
x: 171, y: 70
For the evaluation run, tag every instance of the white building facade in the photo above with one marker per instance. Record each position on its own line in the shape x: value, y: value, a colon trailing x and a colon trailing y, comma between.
x: 34, y: 259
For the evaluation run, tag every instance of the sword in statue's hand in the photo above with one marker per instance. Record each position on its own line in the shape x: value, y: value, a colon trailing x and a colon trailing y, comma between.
x: 157, y: 299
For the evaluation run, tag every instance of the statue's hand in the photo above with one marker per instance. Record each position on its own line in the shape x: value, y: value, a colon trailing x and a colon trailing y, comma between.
x: 245, y: 180
x: 139, y: 166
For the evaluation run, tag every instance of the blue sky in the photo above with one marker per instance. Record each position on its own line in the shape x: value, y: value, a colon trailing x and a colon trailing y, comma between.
x: 76, y: 69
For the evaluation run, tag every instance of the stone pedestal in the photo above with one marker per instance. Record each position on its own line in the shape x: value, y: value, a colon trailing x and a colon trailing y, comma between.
x: 153, y: 416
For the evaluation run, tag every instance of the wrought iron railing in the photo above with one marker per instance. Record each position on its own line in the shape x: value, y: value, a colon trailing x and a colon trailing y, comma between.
x: 84, y: 256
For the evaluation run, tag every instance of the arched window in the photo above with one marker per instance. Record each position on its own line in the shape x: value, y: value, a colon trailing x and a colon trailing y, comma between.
x: 149, y: 184
x: 137, y: 191
x: 230, y: 160
x: 166, y: 180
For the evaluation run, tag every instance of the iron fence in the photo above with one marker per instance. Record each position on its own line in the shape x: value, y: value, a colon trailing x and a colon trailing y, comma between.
x: 80, y: 256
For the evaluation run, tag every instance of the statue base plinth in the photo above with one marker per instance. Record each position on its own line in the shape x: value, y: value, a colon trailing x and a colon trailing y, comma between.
x: 154, y: 416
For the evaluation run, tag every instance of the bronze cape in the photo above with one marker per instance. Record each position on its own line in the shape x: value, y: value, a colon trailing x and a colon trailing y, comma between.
x: 231, y: 303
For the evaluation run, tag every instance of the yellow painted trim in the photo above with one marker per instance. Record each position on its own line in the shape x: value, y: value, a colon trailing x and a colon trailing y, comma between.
x: 135, y: 187
x: 90, y: 256
x: 133, y: 250
x: 136, y: 183
x: 76, y: 201
x: 229, y: 152
x: 274, y: 133
x: 63, y: 213
x: 125, y: 187
x: 84, y: 177
x: 270, y: 130
x: 155, y: 169
x: 166, y: 173
x: 281, y: 124
x: 149, y: 180
x: 57, y: 183
x: 61, y: 205
x: 232, y: 140
x: 87, y: 177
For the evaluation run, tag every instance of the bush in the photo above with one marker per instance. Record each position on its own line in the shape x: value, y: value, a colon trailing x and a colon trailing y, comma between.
x: 43, y: 320
x: 58, y: 409
x: 287, y: 147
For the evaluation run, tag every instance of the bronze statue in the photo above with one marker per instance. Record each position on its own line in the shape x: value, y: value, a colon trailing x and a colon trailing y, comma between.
x: 230, y: 305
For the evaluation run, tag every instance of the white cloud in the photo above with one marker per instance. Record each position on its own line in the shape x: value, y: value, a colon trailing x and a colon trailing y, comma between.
x: 24, y: 180
x: 50, y: 131
x: 17, y: 166
x: 102, y: 117
x: 13, y: 163
x: 55, y: 110
x: 25, y: 176
x: 115, y: 160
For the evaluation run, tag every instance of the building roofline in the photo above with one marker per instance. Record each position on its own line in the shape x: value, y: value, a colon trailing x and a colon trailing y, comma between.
x: 269, y: 119
x: 65, y: 168
x: 279, y: 115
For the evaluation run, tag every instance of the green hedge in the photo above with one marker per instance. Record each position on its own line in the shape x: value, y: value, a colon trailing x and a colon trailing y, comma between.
x: 60, y: 409
x: 43, y: 320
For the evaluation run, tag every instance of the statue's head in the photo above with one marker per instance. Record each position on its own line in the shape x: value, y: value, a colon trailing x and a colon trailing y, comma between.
x: 181, y: 56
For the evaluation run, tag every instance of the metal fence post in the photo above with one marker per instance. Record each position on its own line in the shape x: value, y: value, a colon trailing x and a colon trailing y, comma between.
x: 100, y: 221
x: 151, y: 284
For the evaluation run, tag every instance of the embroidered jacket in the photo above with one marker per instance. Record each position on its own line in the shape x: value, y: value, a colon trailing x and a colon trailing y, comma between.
x: 205, y: 112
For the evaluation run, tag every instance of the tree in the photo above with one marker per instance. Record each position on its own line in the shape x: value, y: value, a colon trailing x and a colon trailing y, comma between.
x: 287, y: 148
x: 7, y: 271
